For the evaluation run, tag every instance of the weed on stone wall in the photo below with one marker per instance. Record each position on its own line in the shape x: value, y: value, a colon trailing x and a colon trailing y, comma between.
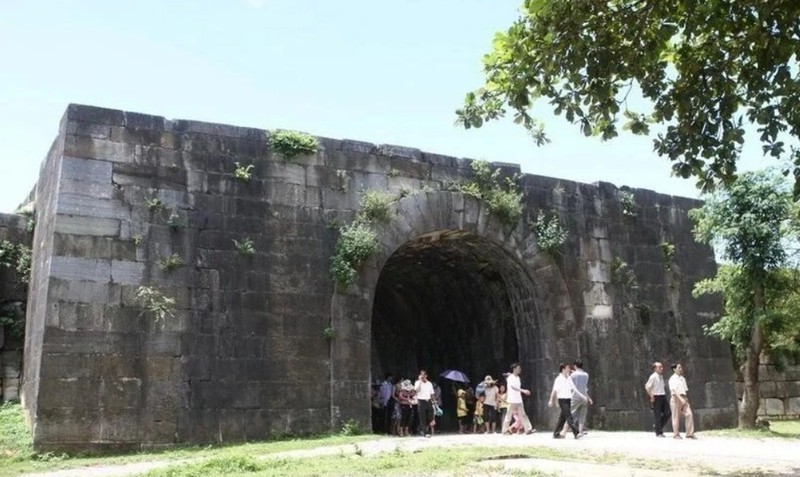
x: 290, y: 144
x: 354, y: 246
x: 245, y: 247
x: 242, y: 172
x: 376, y: 206
x: 156, y: 303
x: 628, y: 203
x: 550, y: 235
x: 17, y: 257
x: 668, y: 252
x: 170, y: 263
x: 157, y: 206
x: 502, y: 196
x: 358, y: 241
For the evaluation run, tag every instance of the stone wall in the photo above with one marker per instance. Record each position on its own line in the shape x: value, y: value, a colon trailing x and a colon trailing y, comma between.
x: 244, y: 355
x: 779, y: 389
x: 13, y: 296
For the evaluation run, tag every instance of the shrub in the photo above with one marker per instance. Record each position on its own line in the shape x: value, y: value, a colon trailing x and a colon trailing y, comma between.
x: 376, y: 206
x: 668, y: 251
x: 355, y: 244
x: 156, y: 205
x: 351, y: 428
x: 329, y: 333
x: 245, y: 247
x: 172, y: 262
x: 17, y: 257
x: 12, y: 318
x: 155, y: 302
x: 549, y: 234
x: 502, y: 197
x: 290, y: 144
x: 243, y: 173
x: 628, y: 203
x: 174, y: 221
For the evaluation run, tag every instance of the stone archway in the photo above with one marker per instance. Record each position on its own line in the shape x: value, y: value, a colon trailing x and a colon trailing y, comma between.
x: 452, y: 227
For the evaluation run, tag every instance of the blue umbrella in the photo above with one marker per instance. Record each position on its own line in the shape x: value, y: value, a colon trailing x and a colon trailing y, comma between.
x: 455, y: 375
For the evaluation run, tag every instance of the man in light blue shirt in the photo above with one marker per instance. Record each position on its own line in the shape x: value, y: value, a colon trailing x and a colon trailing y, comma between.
x: 580, y: 400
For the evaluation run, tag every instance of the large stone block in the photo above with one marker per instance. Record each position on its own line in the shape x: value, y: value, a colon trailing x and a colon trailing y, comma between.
x: 67, y: 224
x: 80, y: 269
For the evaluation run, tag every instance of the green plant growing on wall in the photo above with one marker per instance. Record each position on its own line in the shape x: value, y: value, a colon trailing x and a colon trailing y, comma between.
x: 157, y: 206
x: 12, y: 319
x: 376, y: 206
x: 137, y: 240
x: 623, y: 274
x: 549, y: 233
x: 503, y: 197
x: 290, y: 144
x: 156, y: 303
x: 628, y: 203
x: 393, y: 172
x: 17, y: 257
x: 170, y: 263
x: 403, y: 193
x: 245, y: 247
x: 342, y: 180
x: 355, y: 244
x: 174, y: 221
x: 668, y: 252
x: 242, y: 172
x: 329, y: 333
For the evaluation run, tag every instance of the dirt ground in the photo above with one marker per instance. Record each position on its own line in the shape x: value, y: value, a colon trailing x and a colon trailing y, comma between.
x: 645, y: 455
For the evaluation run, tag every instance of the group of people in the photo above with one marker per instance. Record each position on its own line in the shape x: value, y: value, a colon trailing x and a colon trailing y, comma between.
x: 402, y: 407
x: 675, y: 406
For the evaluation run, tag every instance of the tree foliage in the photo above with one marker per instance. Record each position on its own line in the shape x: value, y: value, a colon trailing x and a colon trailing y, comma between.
x: 706, y: 68
x: 750, y: 222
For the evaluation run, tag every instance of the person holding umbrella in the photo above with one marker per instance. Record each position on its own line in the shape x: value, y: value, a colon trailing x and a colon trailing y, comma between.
x: 514, y: 400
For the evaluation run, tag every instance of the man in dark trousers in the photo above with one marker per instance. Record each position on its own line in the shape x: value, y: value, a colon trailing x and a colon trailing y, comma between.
x: 658, y: 398
x: 564, y: 389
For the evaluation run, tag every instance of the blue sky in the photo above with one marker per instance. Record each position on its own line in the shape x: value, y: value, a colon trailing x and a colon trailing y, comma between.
x: 385, y: 72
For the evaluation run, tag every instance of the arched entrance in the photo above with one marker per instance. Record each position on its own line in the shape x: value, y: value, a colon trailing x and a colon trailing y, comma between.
x: 450, y: 287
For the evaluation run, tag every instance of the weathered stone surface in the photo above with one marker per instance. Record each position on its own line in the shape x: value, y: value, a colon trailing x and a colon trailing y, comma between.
x: 450, y: 286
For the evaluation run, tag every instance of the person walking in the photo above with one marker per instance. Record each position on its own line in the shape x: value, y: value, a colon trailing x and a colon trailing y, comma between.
x: 658, y: 398
x: 563, y: 390
x: 579, y: 407
x: 424, y: 392
x: 679, y: 403
x: 490, y: 404
x: 514, y: 400
x: 502, y: 404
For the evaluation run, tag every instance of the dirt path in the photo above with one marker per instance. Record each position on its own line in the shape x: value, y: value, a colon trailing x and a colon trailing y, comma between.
x: 645, y: 455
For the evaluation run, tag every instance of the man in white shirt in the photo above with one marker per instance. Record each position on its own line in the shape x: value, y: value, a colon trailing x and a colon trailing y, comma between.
x: 679, y: 403
x: 563, y: 390
x: 514, y: 392
x: 658, y: 398
x: 424, y: 392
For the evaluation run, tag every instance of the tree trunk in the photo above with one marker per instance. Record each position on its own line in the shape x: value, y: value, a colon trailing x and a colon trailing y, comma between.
x: 751, y: 398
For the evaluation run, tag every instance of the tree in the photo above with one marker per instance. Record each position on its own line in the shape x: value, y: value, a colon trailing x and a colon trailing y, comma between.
x: 707, y: 68
x: 749, y: 223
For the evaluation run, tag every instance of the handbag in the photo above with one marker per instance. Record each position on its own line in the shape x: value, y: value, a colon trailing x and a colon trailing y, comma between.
x: 437, y: 411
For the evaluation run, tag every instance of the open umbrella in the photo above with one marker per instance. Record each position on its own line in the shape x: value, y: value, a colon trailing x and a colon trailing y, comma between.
x: 455, y: 375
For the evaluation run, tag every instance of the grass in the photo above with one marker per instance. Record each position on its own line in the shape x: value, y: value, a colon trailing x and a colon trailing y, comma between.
x: 257, y: 459
x: 17, y: 454
x: 450, y: 461
x: 788, y: 429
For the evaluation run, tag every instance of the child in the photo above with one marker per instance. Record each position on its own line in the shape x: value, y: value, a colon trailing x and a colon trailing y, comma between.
x: 477, y: 419
x: 461, y: 410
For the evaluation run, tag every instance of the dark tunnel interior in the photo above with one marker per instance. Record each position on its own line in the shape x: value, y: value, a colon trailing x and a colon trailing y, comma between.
x: 441, y: 303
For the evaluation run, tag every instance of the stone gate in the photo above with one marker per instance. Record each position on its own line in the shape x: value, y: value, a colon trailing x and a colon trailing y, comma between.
x: 126, y: 200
